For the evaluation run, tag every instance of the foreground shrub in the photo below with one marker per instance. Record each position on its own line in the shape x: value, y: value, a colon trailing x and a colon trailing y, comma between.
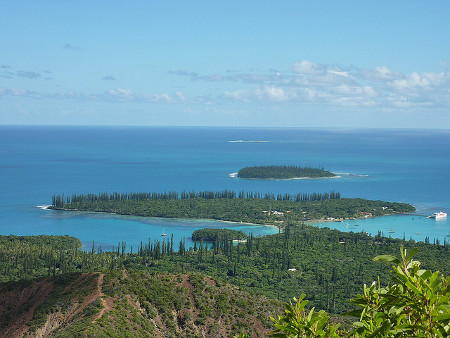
x: 416, y: 304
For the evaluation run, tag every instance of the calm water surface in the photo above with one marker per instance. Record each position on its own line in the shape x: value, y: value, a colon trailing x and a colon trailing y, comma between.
x: 36, y: 162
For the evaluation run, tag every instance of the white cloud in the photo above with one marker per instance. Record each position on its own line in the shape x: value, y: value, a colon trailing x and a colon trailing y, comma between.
x: 180, y: 96
x: 120, y: 93
x: 338, y: 72
x: 269, y: 93
x: 305, y: 82
x: 380, y: 73
x: 354, y: 90
x: 308, y: 67
x: 273, y: 94
x: 423, y: 81
x: 240, y: 95
x: 347, y: 86
x: 19, y: 92
x: 15, y: 92
x: 162, y: 98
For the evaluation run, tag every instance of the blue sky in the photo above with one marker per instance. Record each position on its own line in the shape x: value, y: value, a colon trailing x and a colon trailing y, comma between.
x: 230, y: 63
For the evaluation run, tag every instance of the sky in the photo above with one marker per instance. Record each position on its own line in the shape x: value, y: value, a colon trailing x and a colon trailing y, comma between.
x: 327, y: 64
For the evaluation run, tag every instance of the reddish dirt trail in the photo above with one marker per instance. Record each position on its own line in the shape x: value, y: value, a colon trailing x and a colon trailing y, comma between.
x: 108, y: 303
x: 77, y: 308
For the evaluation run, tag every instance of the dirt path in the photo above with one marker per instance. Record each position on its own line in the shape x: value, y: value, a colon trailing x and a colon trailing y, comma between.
x: 108, y: 303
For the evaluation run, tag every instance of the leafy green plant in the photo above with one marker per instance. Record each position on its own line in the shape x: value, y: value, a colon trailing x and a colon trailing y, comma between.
x: 417, y: 304
x: 299, y: 322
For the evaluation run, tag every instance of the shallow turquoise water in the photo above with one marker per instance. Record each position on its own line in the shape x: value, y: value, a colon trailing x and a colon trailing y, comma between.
x: 415, y: 227
x: 110, y: 230
x: 36, y: 162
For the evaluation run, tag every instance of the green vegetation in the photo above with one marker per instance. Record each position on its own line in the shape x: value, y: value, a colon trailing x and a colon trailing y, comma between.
x: 157, y: 290
x: 329, y: 266
x: 213, y: 235
x: 131, y: 303
x: 231, y: 206
x: 415, y: 304
x: 299, y: 322
x: 56, y: 242
x: 28, y: 257
x: 283, y: 172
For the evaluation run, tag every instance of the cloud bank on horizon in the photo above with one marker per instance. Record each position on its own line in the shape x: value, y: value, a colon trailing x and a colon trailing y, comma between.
x: 139, y: 73
x: 305, y: 83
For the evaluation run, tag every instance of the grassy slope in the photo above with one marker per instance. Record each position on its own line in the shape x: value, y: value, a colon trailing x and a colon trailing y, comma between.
x: 131, y: 303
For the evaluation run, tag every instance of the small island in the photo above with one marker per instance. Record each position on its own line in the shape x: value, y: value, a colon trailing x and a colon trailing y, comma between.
x: 248, y: 207
x: 212, y: 235
x: 283, y: 172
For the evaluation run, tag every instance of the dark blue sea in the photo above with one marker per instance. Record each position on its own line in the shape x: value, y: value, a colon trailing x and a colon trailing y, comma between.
x: 400, y: 165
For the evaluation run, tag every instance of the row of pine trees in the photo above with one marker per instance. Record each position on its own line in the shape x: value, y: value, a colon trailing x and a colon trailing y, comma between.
x: 59, y: 201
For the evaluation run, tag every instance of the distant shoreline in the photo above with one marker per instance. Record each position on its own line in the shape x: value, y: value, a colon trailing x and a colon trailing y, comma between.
x: 283, y: 172
x: 337, y: 175
x: 235, y: 175
x: 280, y: 228
x: 47, y: 207
x: 248, y: 141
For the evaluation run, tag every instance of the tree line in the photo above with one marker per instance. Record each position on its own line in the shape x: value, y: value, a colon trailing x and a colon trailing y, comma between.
x: 333, y: 269
x: 328, y: 266
x: 283, y: 172
x: 260, y: 209
x: 61, y: 200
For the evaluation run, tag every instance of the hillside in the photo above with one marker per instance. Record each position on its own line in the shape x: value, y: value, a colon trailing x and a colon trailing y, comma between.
x: 131, y: 303
x: 329, y: 266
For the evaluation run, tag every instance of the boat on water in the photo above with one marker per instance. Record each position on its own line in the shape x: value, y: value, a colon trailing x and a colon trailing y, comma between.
x: 439, y: 215
x: 163, y: 233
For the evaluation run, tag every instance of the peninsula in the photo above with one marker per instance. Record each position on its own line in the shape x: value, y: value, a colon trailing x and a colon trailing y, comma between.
x: 283, y: 172
x: 249, y: 207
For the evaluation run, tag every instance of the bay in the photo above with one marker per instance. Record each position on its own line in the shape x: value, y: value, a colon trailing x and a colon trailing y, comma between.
x: 38, y: 161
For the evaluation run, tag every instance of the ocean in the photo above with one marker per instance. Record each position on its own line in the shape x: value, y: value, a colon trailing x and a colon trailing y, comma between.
x: 37, y: 162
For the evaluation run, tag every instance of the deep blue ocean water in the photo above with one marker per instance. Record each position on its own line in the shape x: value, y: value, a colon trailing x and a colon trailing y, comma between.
x: 410, y: 166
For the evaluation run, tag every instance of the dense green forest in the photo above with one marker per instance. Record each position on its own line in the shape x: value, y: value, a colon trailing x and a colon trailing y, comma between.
x: 283, y: 172
x: 415, y: 304
x: 329, y: 266
x: 156, y: 290
x: 219, y: 288
x: 279, y: 209
x: 56, y: 242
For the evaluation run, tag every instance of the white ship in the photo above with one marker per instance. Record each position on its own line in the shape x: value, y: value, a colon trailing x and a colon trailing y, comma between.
x: 439, y: 215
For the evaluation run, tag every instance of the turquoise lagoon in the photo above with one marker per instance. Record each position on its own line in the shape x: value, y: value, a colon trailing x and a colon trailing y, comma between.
x: 409, y: 166
x: 411, y: 226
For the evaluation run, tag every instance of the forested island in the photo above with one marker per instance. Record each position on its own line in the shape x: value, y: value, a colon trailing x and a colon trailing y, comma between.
x: 258, y: 208
x: 212, y: 235
x: 283, y: 172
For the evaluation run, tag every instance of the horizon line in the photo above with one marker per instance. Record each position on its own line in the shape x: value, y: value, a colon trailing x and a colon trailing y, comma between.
x: 218, y: 126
